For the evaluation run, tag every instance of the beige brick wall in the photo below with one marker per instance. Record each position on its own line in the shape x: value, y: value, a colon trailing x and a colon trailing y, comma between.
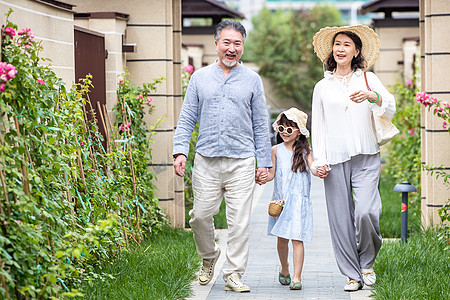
x: 155, y: 27
x: 435, y: 66
x: 387, y: 66
x: 53, y: 27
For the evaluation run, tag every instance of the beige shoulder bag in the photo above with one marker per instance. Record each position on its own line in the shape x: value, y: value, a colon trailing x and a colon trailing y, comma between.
x: 383, y: 127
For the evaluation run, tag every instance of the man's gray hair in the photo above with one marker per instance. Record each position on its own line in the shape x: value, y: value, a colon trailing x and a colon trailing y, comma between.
x: 230, y: 24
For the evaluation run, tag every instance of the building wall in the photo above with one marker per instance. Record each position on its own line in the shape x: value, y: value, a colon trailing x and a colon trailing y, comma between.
x: 209, y: 48
x: 53, y: 27
x: 435, y: 71
x: 390, y: 65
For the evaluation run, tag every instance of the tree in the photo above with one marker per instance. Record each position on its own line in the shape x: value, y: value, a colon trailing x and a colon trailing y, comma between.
x: 281, y: 45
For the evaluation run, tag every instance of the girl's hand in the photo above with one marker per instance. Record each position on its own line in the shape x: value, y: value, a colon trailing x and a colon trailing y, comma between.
x: 261, y: 176
x: 262, y: 179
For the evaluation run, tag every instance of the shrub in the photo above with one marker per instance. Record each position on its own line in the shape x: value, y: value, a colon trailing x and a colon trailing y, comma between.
x: 404, y: 161
x: 65, y: 203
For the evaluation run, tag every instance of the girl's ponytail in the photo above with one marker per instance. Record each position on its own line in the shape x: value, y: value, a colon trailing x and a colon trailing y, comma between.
x: 301, y: 147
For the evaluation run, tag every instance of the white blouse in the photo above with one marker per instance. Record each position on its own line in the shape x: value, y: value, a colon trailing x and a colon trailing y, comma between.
x: 342, y: 128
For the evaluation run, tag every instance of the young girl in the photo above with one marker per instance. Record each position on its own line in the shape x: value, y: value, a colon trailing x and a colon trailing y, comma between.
x: 292, y: 160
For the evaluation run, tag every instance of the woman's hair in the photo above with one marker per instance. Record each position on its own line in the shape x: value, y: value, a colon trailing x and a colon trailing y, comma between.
x: 357, y: 62
x: 301, y: 146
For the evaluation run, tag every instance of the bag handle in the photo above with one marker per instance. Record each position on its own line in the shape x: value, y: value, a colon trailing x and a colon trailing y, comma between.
x: 367, y: 84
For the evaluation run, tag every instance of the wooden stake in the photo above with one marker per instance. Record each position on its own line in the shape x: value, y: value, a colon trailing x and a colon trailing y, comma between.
x: 26, y: 186
x: 4, y: 281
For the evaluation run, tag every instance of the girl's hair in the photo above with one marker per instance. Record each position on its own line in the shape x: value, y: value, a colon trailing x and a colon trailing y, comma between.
x: 301, y: 146
x: 358, y: 62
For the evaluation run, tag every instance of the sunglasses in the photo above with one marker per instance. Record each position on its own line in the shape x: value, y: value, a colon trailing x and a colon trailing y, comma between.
x: 288, y: 130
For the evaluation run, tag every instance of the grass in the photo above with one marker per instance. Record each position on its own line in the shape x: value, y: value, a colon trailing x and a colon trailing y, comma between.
x: 418, y: 269
x: 220, y: 220
x: 390, y: 219
x: 163, y: 267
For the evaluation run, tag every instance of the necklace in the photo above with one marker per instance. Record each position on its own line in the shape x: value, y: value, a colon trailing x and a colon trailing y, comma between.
x: 343, y: 79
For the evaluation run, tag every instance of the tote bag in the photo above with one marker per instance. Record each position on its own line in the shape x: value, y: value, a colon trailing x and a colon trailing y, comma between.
x: 383, y: 127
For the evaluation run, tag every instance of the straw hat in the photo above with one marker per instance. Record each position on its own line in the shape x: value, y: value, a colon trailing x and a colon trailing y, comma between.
x: 323, y: 40
x: 296, y: 116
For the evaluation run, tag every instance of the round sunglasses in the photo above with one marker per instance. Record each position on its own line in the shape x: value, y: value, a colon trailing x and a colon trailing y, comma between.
x: 288, y: 130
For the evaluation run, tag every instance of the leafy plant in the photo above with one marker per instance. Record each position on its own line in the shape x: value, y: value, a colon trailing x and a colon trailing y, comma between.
x: 65, y: 202
x: 404, y: 150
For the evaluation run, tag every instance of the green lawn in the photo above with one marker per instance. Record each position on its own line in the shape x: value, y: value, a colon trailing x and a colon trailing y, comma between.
x: 162, y: 268
x: 418, y: 269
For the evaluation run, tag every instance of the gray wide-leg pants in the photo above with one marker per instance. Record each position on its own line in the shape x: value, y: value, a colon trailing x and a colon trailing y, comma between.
x: 354, y: 209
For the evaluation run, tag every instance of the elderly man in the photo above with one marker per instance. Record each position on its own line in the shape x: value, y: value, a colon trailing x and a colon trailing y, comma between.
x: 227, y: 99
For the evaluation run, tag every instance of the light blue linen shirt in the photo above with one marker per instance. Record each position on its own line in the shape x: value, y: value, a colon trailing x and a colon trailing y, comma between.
x: 231, y: 113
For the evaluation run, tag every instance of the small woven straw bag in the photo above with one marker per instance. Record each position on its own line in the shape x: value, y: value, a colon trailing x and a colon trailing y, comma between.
x: 276, y: 206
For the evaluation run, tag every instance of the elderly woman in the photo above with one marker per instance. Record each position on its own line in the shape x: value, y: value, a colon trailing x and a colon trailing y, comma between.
x: 345, y: 144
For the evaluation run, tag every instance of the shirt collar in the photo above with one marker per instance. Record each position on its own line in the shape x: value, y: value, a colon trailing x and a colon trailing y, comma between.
x: 330, y: 75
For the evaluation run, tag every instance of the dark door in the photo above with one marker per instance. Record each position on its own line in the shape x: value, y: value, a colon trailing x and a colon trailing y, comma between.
x: 90, y: 58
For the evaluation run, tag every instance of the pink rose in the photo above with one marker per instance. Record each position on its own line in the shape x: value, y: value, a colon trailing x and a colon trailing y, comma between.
x: 2, y: 87
x: 149, y: 99
x: 12, y: 74
x: 140, y: 96
x: 409, y: 82
x: 41, y: 82
x: 189, y: 69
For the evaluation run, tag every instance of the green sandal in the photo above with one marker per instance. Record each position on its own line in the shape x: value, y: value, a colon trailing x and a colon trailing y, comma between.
x: 284, y: 280
x: 295, y: 285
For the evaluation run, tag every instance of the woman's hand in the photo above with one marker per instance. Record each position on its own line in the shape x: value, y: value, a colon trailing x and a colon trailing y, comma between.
x: 360, y: 96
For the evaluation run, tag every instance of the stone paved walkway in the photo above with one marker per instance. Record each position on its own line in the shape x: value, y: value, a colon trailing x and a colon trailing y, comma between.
x: 321, y: 277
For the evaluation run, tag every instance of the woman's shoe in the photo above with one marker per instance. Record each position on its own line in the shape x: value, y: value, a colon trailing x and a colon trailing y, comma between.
x: 352, y: 285
x: 284, y: 280
x: 295, y: 285
x: 369, y: 276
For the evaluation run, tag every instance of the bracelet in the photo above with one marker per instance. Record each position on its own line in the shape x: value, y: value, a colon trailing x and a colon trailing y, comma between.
x: 378, y: 98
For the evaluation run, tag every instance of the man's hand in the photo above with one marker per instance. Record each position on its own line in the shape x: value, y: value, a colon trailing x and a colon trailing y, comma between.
x: 179, y: 165
x: 261, y: 175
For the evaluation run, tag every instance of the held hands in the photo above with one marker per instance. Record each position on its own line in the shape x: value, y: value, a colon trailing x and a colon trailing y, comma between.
x: 261, y: 176
x: 179, y: 165
x: 323, y: 171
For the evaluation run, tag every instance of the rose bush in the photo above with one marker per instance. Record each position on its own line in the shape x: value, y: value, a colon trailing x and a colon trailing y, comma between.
x: 65, y: 202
